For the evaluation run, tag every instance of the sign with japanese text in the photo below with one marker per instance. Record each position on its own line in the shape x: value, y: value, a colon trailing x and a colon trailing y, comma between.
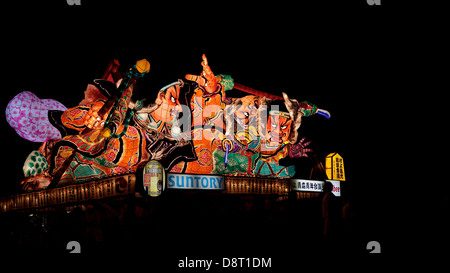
x: 306, y: 185
x: 334, y: 167
x: 314, y: 186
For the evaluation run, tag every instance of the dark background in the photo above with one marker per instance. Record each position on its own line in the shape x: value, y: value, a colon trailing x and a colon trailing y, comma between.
x: 361, y: 63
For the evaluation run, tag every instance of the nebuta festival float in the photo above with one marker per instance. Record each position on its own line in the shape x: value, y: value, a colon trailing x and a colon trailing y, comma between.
x: 192, y: 135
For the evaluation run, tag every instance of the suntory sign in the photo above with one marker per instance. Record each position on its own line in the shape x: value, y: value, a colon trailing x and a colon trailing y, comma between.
x: 191, y: 181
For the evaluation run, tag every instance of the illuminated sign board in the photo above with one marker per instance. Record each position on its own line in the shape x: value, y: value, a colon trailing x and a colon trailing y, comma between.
x: 334, y: 167
x: 314, y: 186
x: 192, y: 181
x: 154, y: 178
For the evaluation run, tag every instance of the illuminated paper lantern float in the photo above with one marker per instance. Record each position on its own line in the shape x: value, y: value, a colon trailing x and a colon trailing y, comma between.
x: 28, y: 115
x: 108, y: 134
x: 248, y: 144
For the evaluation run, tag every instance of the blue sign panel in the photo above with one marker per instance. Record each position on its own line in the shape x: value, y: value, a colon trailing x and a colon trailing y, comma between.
x: 192, y: 181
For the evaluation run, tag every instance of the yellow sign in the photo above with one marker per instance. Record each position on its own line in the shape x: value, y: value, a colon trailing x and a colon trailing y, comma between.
x: 334, y: 167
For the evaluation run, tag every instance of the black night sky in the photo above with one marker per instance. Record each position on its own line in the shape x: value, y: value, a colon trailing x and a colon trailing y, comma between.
x: 348, y: 58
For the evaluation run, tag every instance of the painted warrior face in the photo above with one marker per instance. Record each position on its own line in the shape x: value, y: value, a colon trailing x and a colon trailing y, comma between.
x: 168, y: 103
x: 246, y: 117
x: 278, y: 131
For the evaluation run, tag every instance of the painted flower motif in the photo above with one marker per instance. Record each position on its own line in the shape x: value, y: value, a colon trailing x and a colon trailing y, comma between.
x: 55, y: 135
x: 15, y: 102
x: 110, y: 156
x: 24, y: 121
x: 204, y: 157
x: 52, y: 105
x: 118, y: 170
x: 33, y: 113
x: 13, y: 123
x: 132, y: 130
x: 27, y: 114
x: 15, y: 112
x: 42, y: 127
x: 25, y: 131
